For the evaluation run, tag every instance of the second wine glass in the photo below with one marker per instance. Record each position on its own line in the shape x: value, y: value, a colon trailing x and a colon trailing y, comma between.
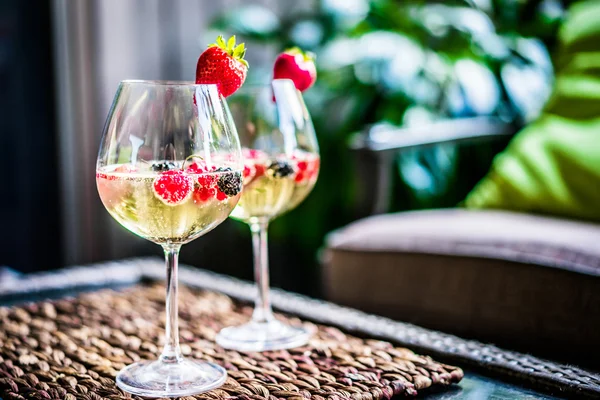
x: 281, y: 167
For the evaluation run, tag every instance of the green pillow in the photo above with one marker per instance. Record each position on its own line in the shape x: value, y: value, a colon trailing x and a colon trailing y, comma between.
x: 553, y: 165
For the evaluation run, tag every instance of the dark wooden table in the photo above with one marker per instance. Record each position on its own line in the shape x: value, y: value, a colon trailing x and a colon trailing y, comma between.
x: 490, y: 372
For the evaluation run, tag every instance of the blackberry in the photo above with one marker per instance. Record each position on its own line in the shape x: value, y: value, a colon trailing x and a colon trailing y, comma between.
x: 230, y: 182
x: 163, y: 166
x: 280, y: 169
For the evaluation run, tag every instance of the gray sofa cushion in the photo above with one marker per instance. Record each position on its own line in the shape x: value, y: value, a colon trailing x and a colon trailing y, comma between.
x: 523, y: 281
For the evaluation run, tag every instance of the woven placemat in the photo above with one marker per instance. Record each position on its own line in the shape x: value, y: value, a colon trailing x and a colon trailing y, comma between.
x: 73, y: 349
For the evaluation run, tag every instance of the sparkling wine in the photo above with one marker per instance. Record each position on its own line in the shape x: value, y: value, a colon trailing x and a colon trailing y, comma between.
x: 307, y: 170
x: 194, y: 206
x: 264, y: 196
x: 274, y: 185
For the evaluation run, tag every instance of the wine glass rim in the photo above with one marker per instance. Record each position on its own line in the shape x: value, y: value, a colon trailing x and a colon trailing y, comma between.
x: 260, y: 86
x: 166, y: 83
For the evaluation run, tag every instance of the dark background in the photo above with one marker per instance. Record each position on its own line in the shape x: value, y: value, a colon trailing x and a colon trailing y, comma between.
x: 29, y: 204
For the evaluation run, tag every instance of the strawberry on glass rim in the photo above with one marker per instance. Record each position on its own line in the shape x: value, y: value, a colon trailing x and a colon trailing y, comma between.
x: 297, y: 65
x: 223, y: 64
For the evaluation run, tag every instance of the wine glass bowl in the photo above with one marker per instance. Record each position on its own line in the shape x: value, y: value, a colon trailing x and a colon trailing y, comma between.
x: 281, y: 165
x: 281, y: 156
x: 169, y: 169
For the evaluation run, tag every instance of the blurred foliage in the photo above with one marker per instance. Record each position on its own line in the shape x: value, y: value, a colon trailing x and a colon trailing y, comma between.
x: 401, y: 63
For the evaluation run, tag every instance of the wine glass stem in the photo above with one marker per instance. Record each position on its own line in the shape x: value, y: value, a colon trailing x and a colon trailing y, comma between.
x: 262, y: 309
x: 171, y: 352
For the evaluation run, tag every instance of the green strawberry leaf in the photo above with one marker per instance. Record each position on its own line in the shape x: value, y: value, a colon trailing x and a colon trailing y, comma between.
x: 239, y: 51
x: 231, y: 43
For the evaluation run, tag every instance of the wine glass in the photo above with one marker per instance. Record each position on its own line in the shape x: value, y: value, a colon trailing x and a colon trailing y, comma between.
x: 169, y: 170
x: 281, y: 167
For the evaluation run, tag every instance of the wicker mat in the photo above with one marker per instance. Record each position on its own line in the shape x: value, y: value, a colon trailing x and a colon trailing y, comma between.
x: 73, y: 349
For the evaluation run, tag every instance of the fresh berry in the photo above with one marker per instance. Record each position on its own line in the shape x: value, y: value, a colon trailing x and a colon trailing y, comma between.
x: 280, y: 169
x: 207, y: 180
x: 298, y: 66
x: 221, y: 195
x: 259, y: 170
x: 249, y: 171
x: 302, y: 165
x: 202, y: 194
x: 173, y: 187
x: 205, y: 189
x: 223, y: 64
x: 299, y: 177
x: 230, y: 182
x: 197, y: 167
x: 163, y: 166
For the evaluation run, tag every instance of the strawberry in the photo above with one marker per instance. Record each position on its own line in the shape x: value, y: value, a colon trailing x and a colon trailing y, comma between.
x: 298, y: 66
x: 223, y: 64
x: 173, y: 187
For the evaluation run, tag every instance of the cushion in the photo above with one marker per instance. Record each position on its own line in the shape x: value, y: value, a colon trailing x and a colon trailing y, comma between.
x: 526, y: 282
x: 553, y: 165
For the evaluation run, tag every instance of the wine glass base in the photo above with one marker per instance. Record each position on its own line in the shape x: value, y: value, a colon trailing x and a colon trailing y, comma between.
x: 161, y: 379
x: 261, y: 336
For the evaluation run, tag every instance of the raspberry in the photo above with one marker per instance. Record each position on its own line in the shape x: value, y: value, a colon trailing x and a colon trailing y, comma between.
x: 220, y: 195
x: 203, y: 194
x: 199, y: 167
x: 260, y: 170
x: 205, y: 188
x: 195, y: 168
x: 248, y: 169
x: 207, y: 180
x: 173, y: 187
x: 302, y: 165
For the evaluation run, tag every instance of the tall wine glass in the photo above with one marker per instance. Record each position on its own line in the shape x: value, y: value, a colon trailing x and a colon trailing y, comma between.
x: 281, y: 167
x: 169, y: 170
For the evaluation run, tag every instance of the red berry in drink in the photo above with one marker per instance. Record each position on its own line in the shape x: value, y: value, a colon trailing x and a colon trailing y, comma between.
x: 248, y: 171
x: 221, y: 195
x: 202, y: 194
x: 302, y: 165
x: 260, y: 170
x: 207, y: 180
x: 173, y: 187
